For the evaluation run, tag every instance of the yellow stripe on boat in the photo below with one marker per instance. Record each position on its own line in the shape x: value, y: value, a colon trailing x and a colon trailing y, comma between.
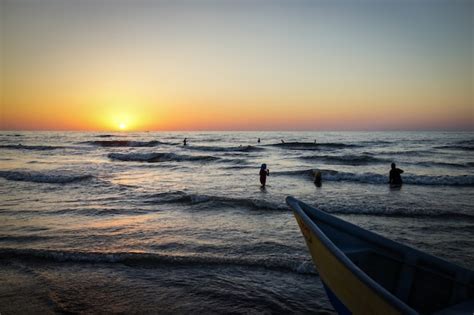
x: 352, y: 292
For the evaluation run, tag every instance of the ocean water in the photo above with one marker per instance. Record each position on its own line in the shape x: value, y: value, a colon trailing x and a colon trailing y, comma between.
x: 137, y: 222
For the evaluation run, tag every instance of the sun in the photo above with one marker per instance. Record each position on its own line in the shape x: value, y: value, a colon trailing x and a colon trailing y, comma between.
x: 122, y: 126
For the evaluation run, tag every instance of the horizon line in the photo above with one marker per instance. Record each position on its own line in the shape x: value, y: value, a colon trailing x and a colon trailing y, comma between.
x: 239, y: 130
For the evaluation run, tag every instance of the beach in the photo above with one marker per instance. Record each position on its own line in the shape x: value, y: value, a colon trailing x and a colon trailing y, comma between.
x: 99, y: 222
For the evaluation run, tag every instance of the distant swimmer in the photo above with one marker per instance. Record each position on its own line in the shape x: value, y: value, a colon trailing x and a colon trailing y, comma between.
x: 258, y: 141
x: 282, y: 141
x: 264, y: 172
x: 395, y: 178
x: 185, y: 141
x: 317, y: 179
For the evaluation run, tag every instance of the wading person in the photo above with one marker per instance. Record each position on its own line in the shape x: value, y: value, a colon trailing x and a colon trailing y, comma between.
x: 395, y: 179
x: 264, y: 172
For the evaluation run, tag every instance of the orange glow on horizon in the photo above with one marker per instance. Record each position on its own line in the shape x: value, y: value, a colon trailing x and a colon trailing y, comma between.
x: 133, y: 116
x: 243, y: 66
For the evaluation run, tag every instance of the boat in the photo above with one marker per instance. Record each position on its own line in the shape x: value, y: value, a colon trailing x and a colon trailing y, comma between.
x: 365, y: 273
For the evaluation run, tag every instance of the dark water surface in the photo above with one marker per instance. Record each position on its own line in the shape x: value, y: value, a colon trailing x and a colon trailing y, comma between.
x: 135, y: 222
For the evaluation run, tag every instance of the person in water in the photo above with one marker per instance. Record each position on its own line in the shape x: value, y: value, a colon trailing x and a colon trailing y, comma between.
x: 258, y: 140
x: 317, y: 179
x: 185, y: 141
x: 264, y: 172
x: 395, y: 178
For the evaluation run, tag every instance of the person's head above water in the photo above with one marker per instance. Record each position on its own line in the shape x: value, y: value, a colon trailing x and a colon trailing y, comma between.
x: 264, y: 166
x: 393, y: 165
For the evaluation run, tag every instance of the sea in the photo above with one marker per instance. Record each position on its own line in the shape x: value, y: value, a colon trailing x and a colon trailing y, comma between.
x: 125, y: 222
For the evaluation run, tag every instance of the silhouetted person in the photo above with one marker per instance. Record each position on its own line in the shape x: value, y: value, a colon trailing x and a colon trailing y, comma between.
x: 185, y: 141
x: 317, y: 179
x: 395, y: 178
x: 258, y: 141
x: 264, y: 172
x: 282, y: 141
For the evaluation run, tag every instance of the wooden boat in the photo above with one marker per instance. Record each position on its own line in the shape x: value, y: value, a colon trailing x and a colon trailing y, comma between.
x: 365, y: 273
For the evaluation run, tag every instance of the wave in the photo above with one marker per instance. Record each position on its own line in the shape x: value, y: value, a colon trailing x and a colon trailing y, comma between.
x: 349, y: 159
x: 23, y: 238
x: 444, y: 164
x: 53, y: 177
x: 298, y: 173
x: 132, y: 258
x: 373, y: 178
x: 124, y: 143
x: 374, y: 209
x: 470, y: 141
x: 217, y: 201
x: 246, y: 148
x: 31, y: 147
x: 104, y: 136
x: 456, y: 147
x: 10, y: 135
x: 313, y: 146
x: 400, y: 213
x: 406, y: 153
x: 241, y: 162
x: 159, y: 157
x: 238, y: 167
x: 213, y: 140
x: 376, y: 142
x: 440, y: 180
x: 97, y: 212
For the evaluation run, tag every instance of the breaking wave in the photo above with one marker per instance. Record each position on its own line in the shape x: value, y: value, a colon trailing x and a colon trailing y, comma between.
x: 373, y: 178
x: 470, y: 141
x: 298, y: 173
x: 457, y: 147
x: 193, y: 199
x: 31, y: 147
x: 247, y: 148
x: 444, y: 164
x: 130, y: 258
x: 159, y: 157
x: 53, y: 177
x: 313, y: 146
x: 406, y: 153
x: 238, y: 167
x: 441, y: 180
x: 124, y: 143
x: 363, y: 159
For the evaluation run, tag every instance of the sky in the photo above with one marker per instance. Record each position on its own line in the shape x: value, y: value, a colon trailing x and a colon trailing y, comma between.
x: 236, y: 65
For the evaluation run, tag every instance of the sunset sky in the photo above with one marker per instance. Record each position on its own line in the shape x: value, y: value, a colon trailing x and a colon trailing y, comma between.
x: 236, y: 65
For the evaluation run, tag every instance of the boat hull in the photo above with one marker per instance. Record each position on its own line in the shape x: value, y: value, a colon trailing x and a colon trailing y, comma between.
x: 347, y: 293
x: 365, y: 273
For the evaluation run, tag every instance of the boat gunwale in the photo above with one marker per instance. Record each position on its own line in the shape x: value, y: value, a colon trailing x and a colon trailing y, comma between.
x: 342, y: 257
x: 387, y: 243
x: 391, y: 245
